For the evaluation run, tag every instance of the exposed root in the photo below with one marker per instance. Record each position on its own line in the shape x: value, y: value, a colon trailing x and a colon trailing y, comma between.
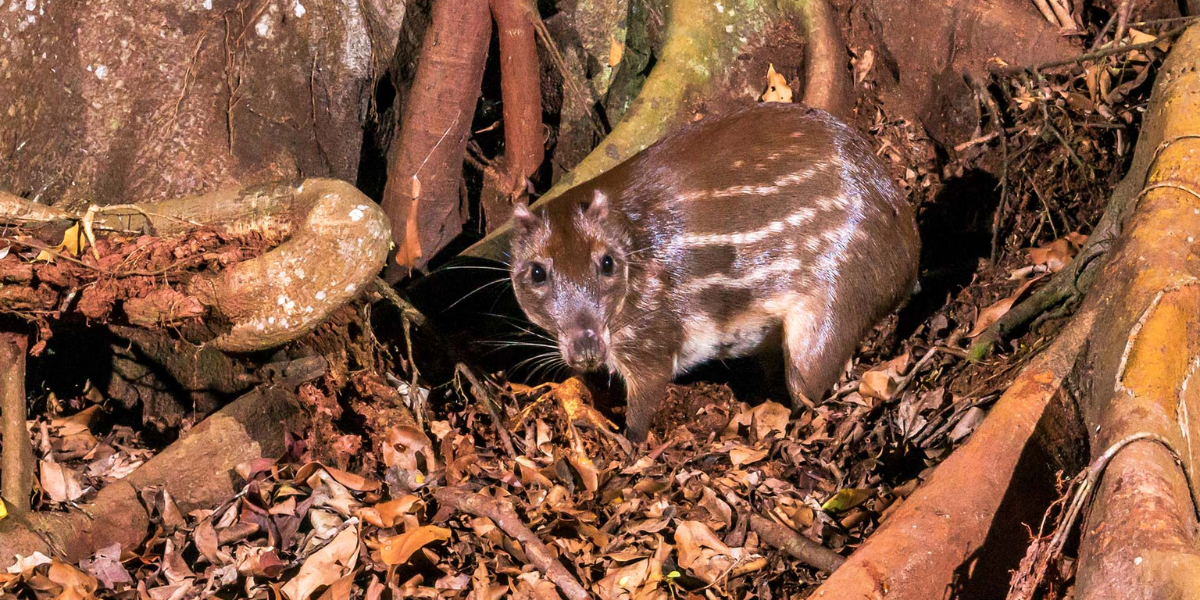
x: 17, y: 461
x: 796, y: 545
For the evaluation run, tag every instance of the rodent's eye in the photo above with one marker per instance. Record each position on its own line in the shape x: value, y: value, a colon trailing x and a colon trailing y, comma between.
x: 537, y: 273
x: 607, y: 266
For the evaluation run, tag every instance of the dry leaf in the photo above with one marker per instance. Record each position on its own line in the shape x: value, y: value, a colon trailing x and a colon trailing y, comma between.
x: 862, y: 66
x: 74, y: 243
x: 741, y: 455
x: 880, y: 382
x: 777, y: 87
x: 105, y: 565
x: 1054, y: 255
x: 616, y: 50
x: 76, y: 585
x: 325, y: 566
x: 60, y: 483
x: 988, y: 316
x: 398, y: 549
x: 765, y: 418
x: 703, y: 553
x: 24, y: 565
x: 387, y: 514
x: 845, y: 499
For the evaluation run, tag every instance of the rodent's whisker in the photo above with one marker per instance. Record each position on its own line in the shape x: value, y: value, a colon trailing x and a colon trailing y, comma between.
x: 476, y: 290
x: 536, y: 360
x: 475, y: 267
x: 516, y: 343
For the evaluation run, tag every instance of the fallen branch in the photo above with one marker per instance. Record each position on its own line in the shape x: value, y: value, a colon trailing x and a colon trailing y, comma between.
x: 198, y: 471
x: 1115, y: 50
x: 17, y: 462
x: 501, y: 512
x: 489, y: 404
x: 799, y: 547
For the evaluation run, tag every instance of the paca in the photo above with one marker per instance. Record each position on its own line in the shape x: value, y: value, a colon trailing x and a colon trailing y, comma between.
x: 774, y: 222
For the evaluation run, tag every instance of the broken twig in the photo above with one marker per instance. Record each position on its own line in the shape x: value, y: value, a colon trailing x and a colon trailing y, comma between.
x: 501, y: 513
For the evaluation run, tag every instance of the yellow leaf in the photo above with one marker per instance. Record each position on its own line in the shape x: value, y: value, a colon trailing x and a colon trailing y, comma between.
x: 616, y: 50
x: 397, y: 550
x: 845, y: 499
x: 3, y: 510
x: 777, y: 87
x: 74, y: 243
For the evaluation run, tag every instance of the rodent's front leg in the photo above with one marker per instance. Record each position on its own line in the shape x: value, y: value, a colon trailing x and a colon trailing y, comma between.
x: 645, y: 390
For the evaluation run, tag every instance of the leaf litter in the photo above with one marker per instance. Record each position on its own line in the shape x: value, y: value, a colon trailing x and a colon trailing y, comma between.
x: 359, y: 516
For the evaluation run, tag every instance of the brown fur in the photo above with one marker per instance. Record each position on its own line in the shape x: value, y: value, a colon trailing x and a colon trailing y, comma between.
x: 773, y: 220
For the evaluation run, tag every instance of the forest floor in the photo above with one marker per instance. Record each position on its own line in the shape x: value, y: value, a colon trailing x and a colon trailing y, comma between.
x: 433, y: 509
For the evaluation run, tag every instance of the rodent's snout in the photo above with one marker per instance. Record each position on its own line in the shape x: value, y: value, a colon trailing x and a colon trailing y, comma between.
x: 586, y: 350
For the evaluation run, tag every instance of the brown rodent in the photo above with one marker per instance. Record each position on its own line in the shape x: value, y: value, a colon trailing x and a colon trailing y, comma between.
x: 776, y: 219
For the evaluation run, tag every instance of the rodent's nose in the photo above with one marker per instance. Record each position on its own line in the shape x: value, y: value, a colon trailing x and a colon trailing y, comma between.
x: 587, y: 351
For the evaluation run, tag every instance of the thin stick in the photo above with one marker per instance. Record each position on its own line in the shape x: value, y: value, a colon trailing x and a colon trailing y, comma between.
x: 489, y: 403
x: 17, y: 459
x: 501, y: 512
x: 1105, y: 53
x: 797, y: 546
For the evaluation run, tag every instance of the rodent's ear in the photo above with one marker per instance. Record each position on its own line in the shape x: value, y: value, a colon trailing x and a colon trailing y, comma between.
x: 598, y: 208
x: 523, y: 218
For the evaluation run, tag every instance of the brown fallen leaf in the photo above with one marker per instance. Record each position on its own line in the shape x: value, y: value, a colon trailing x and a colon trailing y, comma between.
x: 357, y: 483
x: 396, y: 550
x: 340, y: 589
x: 76, y: 585
x: 1054, y: 255
x: 989, y: 316
x: 742, y: 455
x: 703, y: 553
x: 259, y: 561
x: 325, y: 566
x: 60, y: 483
x: 880, y: 382
x: 105, y: 565
x: 387, y: 514
x: 764, y: 418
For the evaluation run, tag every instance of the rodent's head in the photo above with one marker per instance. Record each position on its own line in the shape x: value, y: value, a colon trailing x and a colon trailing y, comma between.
x: 570, y: 273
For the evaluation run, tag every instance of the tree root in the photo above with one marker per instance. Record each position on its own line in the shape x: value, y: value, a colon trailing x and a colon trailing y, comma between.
x: 421, y: 198
x: 920, y: 551
x: 807, y: 551
x: 17, y: 462
x: 338, y: 242
x: 197, y: 471
x: 501, y: 512
x: 701, y: 43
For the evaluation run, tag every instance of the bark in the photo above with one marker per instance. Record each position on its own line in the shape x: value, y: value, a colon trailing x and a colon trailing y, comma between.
x: 501, y: 512
x: 111, y: 101
x: 337, y: 242
x: 1140, y: 540
x: 198, y: 471
x: 17, y: 460
x: 421, y: 197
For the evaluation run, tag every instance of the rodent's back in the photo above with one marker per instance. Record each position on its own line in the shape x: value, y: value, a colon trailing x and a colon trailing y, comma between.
x: 769, y: 195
